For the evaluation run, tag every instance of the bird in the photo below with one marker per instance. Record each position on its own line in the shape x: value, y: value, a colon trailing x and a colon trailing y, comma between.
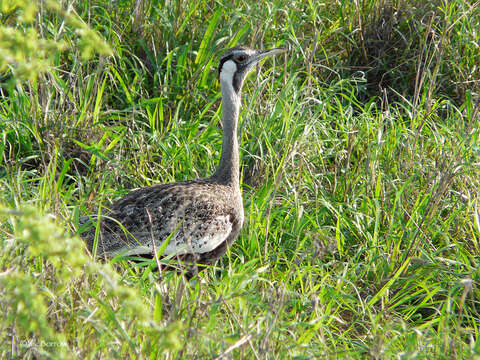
x: 198, y: 219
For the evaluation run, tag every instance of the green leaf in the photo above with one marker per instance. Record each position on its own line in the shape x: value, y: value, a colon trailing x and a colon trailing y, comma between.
x: 208, y: 36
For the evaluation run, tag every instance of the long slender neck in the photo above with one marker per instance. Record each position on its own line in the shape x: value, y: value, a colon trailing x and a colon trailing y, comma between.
x: 228, y: 167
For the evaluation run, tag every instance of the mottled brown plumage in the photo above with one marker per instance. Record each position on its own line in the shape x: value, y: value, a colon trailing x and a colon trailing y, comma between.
x: 199, y: 218
x: 194, y: 212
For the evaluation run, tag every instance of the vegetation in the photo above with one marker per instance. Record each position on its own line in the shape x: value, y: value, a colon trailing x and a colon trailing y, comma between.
x: 361, y: 178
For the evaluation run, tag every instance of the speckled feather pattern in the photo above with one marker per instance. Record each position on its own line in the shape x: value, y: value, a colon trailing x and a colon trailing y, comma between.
x: 203, y: 218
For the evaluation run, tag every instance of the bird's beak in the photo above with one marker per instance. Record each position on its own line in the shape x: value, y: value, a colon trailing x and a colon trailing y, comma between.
x: 264, y: 53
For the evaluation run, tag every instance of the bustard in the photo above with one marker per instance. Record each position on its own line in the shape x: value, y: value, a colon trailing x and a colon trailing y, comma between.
x: 199, y: 218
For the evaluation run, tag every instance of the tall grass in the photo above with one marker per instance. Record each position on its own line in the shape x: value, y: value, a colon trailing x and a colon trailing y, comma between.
x: 360, y: 153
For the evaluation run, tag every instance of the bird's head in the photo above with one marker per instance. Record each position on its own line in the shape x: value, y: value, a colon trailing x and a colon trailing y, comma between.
x: 237, y: 62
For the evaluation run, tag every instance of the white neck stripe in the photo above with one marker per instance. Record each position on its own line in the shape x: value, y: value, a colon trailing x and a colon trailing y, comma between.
x: 228, y: 70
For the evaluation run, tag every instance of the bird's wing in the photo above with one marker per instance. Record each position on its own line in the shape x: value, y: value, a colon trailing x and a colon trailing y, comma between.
x: 193, y: 221
x: 199, y: 239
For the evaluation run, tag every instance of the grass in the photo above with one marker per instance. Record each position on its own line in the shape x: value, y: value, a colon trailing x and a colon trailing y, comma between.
x: 361, y: 178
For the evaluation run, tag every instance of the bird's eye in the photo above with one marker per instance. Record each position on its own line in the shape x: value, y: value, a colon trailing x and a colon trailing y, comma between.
x: 241, y: 57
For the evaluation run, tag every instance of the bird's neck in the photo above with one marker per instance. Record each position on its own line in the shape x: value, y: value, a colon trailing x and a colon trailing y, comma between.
x: 228, y: 167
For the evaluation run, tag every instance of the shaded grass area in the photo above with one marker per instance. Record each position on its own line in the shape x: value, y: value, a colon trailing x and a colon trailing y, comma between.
x: 361, y: 236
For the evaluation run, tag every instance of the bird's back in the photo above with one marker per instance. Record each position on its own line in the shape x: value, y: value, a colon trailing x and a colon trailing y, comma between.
x: 198, y: 217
